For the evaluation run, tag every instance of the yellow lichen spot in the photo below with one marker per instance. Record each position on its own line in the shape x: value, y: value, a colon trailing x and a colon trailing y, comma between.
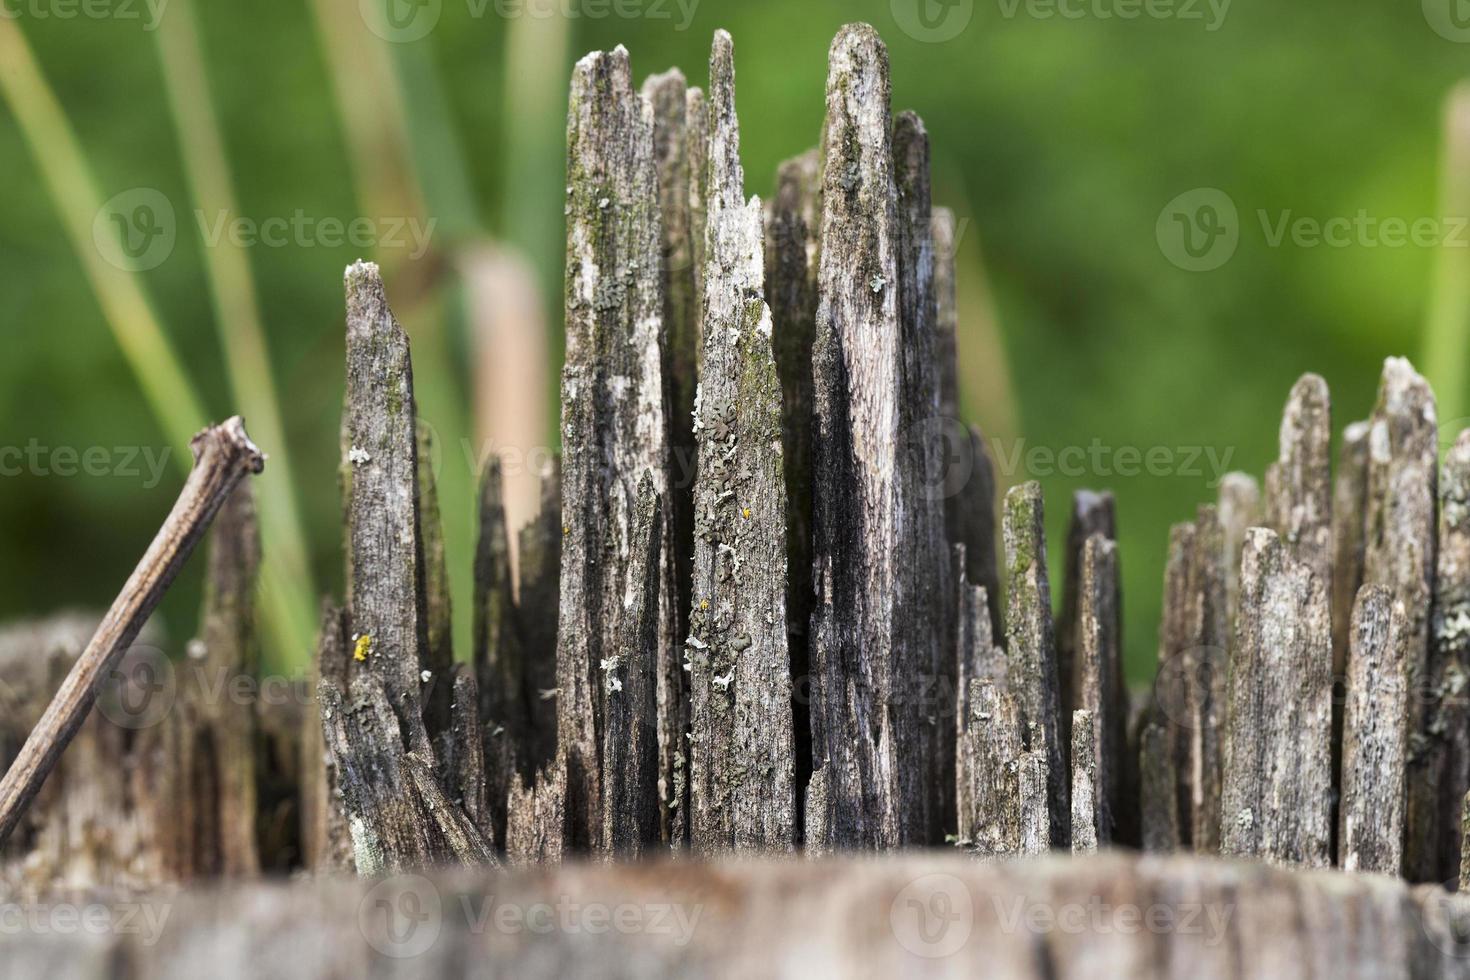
x: 745, y: 513
x: 703, y: 603
x: 565, y: 530
x: 364, y: 644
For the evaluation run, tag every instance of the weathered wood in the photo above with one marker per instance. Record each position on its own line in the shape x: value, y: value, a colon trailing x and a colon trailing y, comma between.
x: 223, y: 456
x: 791, y: 240
x: 223, y: 656
x: 614, y: 420
x: 1031, y: 645
x: 669, y: 95
x: 399, y: 817
x: 1276, y: 798
x: 866, y: 732
x: 1091, y: 513
x: 537, y: 602
x: 1399, y: 554
x: 989, y: 751
x: 386, y: 602
x: 1035, y: 802
x: 438, y: 617
x: 462, y: 753
x: 326, y: 841
x: 629, y: 690
x: 740, y: 743
x: 1349, y: 505
x: 1160, y: 824
x: 1450, y: 632
x: 1171, y: 693
x: 1239, y: 506
x: 1299, y: 484
x: 1465, y: 844
x: 1100, y: 693
x: 501, y: 661
x: 1206, y: 664
x: 1375, y: 737
x: 1089, y: 807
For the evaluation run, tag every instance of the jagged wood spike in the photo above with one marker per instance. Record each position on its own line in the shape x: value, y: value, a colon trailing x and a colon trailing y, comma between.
x: 668, y: 94
x: 1089, y: 815
x: 1100, y: 694
x: 614, y: 419
x: 1399, y: 554
x: 500, y: 661
x: 1091, y: 513
x: 536, y: 614
x: 1239, y: 507
x: 791, y: 233
x: 741, y: 746
x: 1171, y: 705
x: 1206, y: 664
x: 1450, y: 631
x: 1375, y: 737
x: 1276, y: 798
x: 438, y: 619
x: 1031, y: 645
x: 866, y: 734
x: 386, y: 600
x: 978, y: 653
x: 631, y: 816
x: 1299, y: 485
x: 928, y: 592
x: 696, y: 142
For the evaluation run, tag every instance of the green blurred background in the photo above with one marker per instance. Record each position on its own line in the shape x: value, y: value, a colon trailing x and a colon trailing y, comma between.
x: 1057, y: 140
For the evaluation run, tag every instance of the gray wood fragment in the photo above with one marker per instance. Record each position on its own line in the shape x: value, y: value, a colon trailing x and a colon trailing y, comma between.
x: 1170, y: 711
x: 1450, y: 633
x: 740, y: 747
x: 1206, y: 665
x: 1031, y: 644
x: 1375, y: 737
x: 988, y: 790
x: 1276, y: 798
x: 1239, y: 505
x: 1399, y: 554
x: 1159, y: 820
x: 1349, y: 505
x: 537, y: 602
x: 1036, y: 821
x: 614, y: 419
x: 1101, y: 696
x: 385, y: 587
x: 868, y: 649
x: 1087, y: 802
x: 628, y: 680
x: 325, y: 842
x: 1298, y: 485
x: 1091, y: 513
x: 438, y: 619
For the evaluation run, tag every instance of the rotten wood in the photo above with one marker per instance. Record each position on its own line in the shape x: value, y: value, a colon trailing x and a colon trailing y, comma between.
x: 1450, y: 633
x: 614, y: 424
x: 741, y: 752
x: 1101, y: 695
x: 1089, y: 809
x: 1298, y: 496
x: 1276, y: 798
x: 223, y: 456
x: 1375, y: 736
x: 1031, y: 647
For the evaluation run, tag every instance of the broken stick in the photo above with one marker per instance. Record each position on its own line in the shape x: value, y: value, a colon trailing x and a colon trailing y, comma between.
x: 223, y: 455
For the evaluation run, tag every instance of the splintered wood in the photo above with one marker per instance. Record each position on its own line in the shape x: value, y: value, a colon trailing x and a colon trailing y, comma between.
x: 768, y: 606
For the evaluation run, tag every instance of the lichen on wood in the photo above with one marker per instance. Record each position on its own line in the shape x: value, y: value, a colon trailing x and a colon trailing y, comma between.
x: 742, y: 794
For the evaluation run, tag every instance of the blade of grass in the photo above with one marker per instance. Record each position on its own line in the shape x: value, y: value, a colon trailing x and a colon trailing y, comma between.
x: 1447, y: 332
x: 73, y: 189
x: 287, y: 588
